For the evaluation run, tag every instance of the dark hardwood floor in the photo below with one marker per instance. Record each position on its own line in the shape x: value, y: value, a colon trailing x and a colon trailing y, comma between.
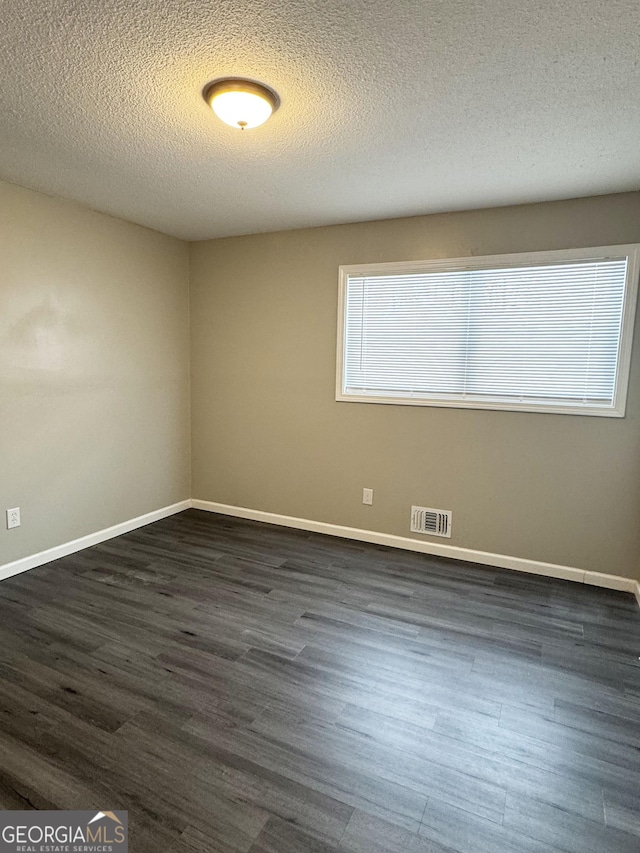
x: 242, y: 687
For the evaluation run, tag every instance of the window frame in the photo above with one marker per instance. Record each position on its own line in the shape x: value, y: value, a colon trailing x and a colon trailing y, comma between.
x: 631, y: 251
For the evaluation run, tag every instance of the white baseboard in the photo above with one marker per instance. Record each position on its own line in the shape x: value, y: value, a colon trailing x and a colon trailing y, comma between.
x: 518, y: 564
x: 26, y: 563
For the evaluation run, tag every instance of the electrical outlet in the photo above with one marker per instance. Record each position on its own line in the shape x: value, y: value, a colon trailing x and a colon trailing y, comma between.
x: 367, y: 497
x: 13, y: 517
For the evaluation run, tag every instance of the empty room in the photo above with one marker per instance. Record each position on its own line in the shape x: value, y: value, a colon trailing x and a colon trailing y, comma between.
x: 319, y: 427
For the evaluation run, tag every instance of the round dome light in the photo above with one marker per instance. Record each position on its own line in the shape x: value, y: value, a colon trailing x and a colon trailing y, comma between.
x: 241, y: 103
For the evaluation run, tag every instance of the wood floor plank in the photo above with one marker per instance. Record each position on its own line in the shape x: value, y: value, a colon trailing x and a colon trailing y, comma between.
x: 464, y: 832
x: 368, y: 834
x: 622, y: 809
x: 555, y: 827
x: 246, y: 688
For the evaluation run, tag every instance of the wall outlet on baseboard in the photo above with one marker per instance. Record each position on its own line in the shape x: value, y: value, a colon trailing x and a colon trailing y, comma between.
x: 13, y: 517
x: 367, y: 497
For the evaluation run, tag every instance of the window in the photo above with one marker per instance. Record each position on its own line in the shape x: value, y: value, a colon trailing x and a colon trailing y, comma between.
x: 543, y: 332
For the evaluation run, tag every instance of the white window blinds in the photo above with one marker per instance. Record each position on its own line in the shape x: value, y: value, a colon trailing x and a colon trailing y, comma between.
x: 545, y: 336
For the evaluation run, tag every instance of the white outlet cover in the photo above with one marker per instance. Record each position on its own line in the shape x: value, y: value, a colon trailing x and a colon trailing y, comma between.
x: 367, y: 497
x: 13, y: 518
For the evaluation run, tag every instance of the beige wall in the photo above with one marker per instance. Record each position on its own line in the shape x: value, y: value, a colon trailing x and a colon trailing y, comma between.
x: 94, y: 388
x: 267, y: 432
x: 94, y: 378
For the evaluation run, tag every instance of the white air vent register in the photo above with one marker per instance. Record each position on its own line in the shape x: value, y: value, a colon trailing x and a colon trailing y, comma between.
x: 435, y: 522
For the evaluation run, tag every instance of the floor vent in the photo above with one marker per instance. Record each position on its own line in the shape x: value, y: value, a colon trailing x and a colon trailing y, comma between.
x: 435, y: 522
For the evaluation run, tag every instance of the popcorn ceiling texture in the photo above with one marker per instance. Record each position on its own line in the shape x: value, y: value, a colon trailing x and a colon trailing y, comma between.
x: 388, y: 108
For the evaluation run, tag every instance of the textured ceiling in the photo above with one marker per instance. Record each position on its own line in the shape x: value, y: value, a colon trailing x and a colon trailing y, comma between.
x: 388, y: 108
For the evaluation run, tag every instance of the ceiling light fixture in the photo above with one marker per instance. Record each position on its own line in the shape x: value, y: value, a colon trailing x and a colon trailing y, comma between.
x: 241, y: 103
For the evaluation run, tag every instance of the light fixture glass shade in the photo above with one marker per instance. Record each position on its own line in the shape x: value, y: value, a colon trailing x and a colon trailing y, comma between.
x: 241, y: 103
